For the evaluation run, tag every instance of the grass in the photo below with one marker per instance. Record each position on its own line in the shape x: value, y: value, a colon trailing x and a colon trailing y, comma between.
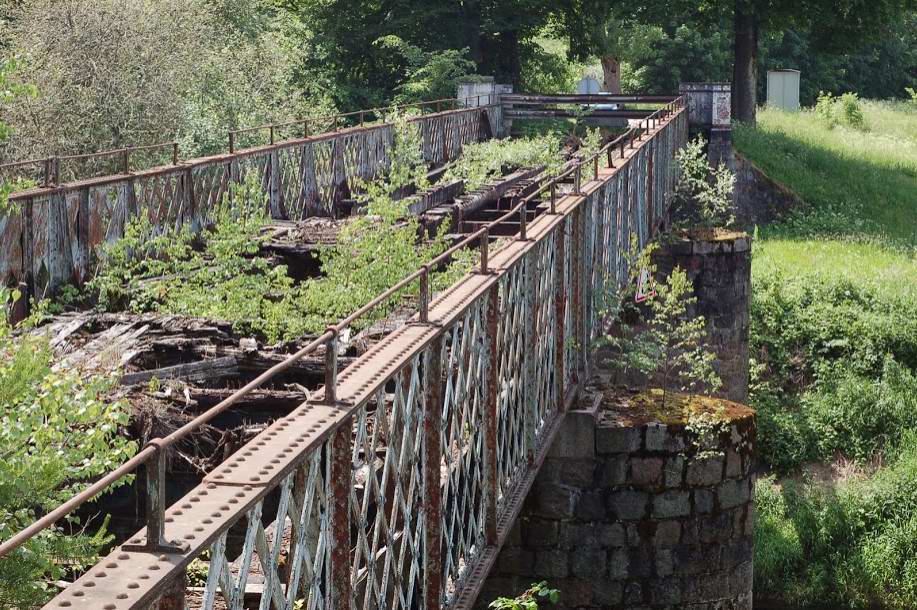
x: 857, y: 184
x: 834, y: 344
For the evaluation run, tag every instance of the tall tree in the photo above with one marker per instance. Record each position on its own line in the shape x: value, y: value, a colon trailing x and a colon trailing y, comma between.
x: 833, y: 24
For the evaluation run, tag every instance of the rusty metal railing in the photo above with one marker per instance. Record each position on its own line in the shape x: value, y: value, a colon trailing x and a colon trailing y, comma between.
x: 422, y: 449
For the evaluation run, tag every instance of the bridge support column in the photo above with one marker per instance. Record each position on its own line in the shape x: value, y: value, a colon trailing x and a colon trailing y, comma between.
x: 710, y: 114
x: 632, y: 509
x: 719, y: 269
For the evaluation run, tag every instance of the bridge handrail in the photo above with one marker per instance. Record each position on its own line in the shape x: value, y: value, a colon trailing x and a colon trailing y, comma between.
x: 51, y: 166
x: 154, y: 449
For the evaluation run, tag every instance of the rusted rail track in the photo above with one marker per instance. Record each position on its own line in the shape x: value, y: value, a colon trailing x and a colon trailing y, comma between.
x: 461, y: 404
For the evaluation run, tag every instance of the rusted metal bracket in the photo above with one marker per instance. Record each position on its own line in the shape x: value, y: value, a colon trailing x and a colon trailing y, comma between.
x: 156, y: 541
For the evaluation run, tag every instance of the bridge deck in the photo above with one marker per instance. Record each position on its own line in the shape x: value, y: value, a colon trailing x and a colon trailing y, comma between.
x: 401, y: 493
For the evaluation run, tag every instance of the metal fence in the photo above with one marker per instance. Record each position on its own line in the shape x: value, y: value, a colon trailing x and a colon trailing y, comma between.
x: 53, y: 236
x: 397, y: 488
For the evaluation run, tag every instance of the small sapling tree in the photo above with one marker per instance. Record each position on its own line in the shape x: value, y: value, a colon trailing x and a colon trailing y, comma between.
x: 665, y: 342
x: 681, y: 356
x: 705, y: 191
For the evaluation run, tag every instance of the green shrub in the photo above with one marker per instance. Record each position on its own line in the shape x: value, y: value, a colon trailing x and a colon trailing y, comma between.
x: 705, y: 191
x: 483, y: 161
x: 844, y: 109
x: 58, y: 432
x: 847, y: 544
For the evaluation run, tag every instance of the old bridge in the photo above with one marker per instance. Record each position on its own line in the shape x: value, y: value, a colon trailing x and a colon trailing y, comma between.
x: 397, y: 484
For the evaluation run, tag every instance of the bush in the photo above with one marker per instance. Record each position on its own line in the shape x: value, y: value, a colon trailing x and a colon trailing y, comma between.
x: 483, y: 161
x: 703, y: 193
x: 833, y: 367
x: 845, y: 109
x: 57, y: 433
x: 847, y: 544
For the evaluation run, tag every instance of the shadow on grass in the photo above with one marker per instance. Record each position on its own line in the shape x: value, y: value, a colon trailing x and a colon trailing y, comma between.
x: 845, y: 196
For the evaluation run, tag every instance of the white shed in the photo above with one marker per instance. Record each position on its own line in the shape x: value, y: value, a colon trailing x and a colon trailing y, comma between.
x: 783, y: 89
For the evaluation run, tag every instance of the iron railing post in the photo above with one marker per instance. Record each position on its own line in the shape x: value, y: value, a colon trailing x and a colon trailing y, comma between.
x: 491, y: 474
x: 232, y: 142
x: 155, y: 474
x: 560, y: 312
x: 523, y: 235
x: 432, y: 489
x: 340, y: 465
x: 485, y: 251
x: 174, y: 153
x: 425, y: 294
x: 577, y: 178
x: 331, y: 367
x: 553, y: 196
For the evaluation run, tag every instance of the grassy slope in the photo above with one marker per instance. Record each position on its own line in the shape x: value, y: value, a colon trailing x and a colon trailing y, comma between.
x: 857, y: 234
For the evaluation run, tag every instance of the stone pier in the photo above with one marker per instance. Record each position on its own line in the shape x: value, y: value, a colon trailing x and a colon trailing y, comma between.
x: 633, y: 509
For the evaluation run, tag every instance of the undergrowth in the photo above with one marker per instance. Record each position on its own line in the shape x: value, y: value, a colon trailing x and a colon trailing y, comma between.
x: 220, y: 273
x: 834, y: 349
x: 481, y: 162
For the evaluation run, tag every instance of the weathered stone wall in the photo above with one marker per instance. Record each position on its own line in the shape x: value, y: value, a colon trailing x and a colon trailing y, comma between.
x: 626, y: 515
x: 760, y: 200
x: 720, y: 272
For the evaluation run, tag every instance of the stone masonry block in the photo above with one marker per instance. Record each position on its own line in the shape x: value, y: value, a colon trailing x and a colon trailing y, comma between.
x: 668, y: 534
x: 576, y: 437
x: 674, y: 471
x: 611, y: 535
x: 554, y: 501
x: 578, y: 536
x: 617, y: 439
x: 579, y: 473
x: 628, y: 505
x: 612, y: 471
x: 516, y: 561
x: 703, y: 501
x: 665, y: 592
x: 633, y: 594
x: 618, y: 564
x: 540, y: 533
x: 665, y: 562
x: 641, y: 562
x: 607, y: 592
x: 655, y: 436
x: 705, y: 471
x: 590, y: 506
x: 588, y: 562
x: 671, y: 504
x: 733, y: 493
x: 552, y: 564
x: 716, y: 528
x: 733, y: 464
x: 646, y: 472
